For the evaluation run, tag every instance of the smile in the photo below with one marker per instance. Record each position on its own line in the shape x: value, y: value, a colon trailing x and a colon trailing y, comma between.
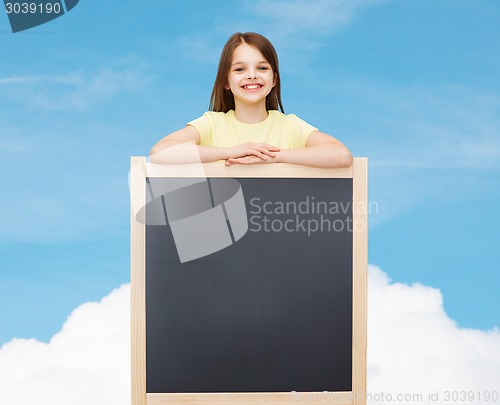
x: 252, y: 86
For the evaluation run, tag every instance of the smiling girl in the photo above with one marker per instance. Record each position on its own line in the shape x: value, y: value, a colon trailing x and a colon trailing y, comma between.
x: 246, y: 123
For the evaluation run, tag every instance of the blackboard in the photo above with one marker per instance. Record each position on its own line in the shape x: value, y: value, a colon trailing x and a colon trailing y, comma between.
x: 270, y: 313
x: 280, y: 310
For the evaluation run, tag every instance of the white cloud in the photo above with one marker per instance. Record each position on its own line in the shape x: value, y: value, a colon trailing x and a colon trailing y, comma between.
x: 87, y: 362
x: 413, y: 348
x: 199, y: 49
x: 319, y: 16
x: 69, y: 91
x: 416, y: 127
x: 71, y: 78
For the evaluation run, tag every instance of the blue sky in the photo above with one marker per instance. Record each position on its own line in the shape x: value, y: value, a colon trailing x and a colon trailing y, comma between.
x: 412, y: 85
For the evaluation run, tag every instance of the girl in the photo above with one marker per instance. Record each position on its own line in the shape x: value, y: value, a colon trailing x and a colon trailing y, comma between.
x: 244, y: 125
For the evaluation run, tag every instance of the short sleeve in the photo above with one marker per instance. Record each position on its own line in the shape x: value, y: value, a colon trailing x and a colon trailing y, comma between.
x: 204, y: 129
x: 298, y: 131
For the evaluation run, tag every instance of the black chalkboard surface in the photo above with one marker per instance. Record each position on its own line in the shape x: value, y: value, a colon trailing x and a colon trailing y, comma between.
x: 271, y: 312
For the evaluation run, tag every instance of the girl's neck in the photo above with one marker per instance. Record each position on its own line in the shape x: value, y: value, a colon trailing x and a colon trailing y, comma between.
x: 250, y: 114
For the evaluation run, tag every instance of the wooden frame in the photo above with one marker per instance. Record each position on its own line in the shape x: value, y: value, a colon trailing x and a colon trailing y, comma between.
x: 358, y: 172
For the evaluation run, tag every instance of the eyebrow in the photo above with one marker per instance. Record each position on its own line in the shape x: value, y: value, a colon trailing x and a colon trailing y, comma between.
x: 242, y: 63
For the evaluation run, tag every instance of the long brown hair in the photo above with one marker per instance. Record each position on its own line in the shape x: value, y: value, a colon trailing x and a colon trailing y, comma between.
x: 222, y: 100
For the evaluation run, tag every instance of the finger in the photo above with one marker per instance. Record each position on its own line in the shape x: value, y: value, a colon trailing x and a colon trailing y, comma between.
x: 270, y: 147
x: 268, y: 153
x: 259, y: 154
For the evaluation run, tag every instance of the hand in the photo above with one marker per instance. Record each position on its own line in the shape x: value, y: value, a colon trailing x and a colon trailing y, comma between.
x: 251, y: 149
x: 247, y: 160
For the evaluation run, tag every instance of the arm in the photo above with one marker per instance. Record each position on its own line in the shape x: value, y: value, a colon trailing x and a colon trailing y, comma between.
x: 183, y: 146
x: 321, y: 150
x: 186, y: 148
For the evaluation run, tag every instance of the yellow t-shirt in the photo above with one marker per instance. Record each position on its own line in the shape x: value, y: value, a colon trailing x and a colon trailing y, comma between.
x: 280, y: 130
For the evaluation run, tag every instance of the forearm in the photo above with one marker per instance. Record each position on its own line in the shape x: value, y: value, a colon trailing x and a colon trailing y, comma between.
x: 328, y: 156
x: 172, y: 152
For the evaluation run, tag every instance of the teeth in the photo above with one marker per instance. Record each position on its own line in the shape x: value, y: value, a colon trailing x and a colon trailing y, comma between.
x: 251, y: 87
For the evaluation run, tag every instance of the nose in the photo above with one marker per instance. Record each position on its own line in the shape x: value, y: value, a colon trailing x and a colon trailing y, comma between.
x: 252, y: 74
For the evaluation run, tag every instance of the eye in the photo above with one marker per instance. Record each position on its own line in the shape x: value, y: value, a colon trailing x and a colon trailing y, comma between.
x: 240, y: 69
x: 263, y: 68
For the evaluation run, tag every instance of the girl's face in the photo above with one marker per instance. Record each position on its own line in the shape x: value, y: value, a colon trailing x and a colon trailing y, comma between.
x: 251, y: 77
